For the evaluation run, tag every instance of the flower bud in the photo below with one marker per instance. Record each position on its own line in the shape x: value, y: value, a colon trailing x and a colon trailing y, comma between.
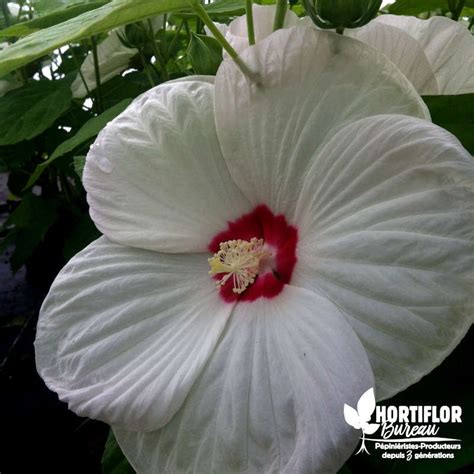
x: 136, y: 35
x: 340, y: 14
x: 142, y: 32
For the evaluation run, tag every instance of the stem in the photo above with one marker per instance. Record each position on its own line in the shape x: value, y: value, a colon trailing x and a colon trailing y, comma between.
x: 165, y: 20
x: 76, y: 63
x: 173, y: 41
x: 23, y: 76
x: 280, y: 14
x: 145, y: 68
x: 15, y: 342
x: 97, y: 75
x: 157, y: 52
x: 250, y: 27
x: 188, y: 31
x: 456, y: 12
x: 198, y: 8
x: 340, y: 30
x: 6, y: 12
x: 65, y: 188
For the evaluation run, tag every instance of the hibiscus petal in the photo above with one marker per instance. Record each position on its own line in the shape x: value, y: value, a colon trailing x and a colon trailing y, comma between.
x: 271, y: 398
x: 113, y: 58
x: 312, y: 83
x: 386, y: 226
x: 448, y: 45
x: 403, y: 50
x: 155, y: 176
x: 124, y: 333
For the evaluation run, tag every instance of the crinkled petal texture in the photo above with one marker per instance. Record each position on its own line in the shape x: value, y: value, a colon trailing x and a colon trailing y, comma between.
x: 271, y: 398
x: 124, y: 333
x: 403, y: 50
x: 155, y: 176
x: 386, y: 219
x: 312, y: 83
x: 113, y: 58
x: 448, y: 46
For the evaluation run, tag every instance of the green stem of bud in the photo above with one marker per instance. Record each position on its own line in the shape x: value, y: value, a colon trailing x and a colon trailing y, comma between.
x: 280, y: 14
x: 201, y: 12
x: 456, y: 8
x: 98, y: 89
x: 78, y: 67
x: 6, y: 12
x: 156, y: 51
x: 250, y: 27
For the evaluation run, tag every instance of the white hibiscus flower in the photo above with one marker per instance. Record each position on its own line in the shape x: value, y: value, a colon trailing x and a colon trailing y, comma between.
x: 436, y: 55
x: 341, y: 227
x: 13, y: 9
x: 113, y: 58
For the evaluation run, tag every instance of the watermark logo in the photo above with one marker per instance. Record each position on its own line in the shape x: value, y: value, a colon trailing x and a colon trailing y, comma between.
x: 404, y: 432
x: 359, y: 419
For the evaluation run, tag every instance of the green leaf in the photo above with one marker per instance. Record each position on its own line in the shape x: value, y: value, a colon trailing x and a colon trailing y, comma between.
x: 226, y: 7
x: 111, y: 15
x: 89, y: 130
x: 44, y: 7
x: 455, y: 113
x: 28, y: 111
x: 123, y: 87
x: 230, y: 8
x: 81, y: 235
x: 28, y: 27
x: 79, y: 163
x: 31, y: 220
x: 15, y: 156
x: 205, y: 54
x: 113, y: 460
x: 415, y: 7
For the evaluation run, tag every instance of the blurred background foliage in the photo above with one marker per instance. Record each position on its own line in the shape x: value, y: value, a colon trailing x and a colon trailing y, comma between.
x: 58, y: 89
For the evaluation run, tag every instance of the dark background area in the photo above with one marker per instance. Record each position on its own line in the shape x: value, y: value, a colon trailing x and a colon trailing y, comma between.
x: 37, y: 431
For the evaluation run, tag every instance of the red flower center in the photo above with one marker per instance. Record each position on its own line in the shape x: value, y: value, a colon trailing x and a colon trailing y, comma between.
x: 280, y: 239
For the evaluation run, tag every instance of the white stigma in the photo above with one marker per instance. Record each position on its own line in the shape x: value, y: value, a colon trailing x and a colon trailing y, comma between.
x: 239, y: 259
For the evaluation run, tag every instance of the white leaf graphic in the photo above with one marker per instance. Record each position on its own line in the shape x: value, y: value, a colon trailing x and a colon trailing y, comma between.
x: 370, y: 428
x: 351, y: 416
x: 366, y: 405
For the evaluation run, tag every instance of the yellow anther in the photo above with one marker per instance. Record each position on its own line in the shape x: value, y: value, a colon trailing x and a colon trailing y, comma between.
x: 239, y: 259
